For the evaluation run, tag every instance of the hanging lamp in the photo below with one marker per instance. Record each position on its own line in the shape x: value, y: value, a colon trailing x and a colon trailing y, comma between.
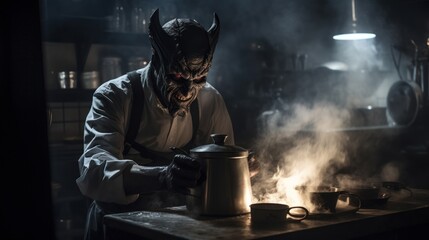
x: 354, y: 34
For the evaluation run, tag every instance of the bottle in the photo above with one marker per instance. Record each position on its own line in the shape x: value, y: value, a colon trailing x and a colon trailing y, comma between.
x: 119, y: 22
x: 138, y: 18
x: 142, y: 27
x: 134, y: 17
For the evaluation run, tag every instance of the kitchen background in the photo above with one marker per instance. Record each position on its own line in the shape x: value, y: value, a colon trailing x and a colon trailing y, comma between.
x: 283, y: 77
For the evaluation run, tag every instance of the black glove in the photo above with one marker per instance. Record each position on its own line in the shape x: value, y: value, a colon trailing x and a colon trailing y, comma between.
x: 184, y: 172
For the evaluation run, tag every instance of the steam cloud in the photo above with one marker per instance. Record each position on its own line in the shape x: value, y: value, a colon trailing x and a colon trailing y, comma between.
x: 299, y: 148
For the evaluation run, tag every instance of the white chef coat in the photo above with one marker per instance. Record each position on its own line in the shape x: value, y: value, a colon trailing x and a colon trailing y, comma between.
x: 102, y: 162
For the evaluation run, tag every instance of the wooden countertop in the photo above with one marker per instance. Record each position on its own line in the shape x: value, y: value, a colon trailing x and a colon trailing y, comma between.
x: 401, y: 211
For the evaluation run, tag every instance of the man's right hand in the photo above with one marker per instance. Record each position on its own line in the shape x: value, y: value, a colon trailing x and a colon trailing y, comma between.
x: 184, y: 172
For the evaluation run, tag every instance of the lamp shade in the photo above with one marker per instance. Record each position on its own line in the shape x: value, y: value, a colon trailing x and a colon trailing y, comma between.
x: 353, y: 33
x: 354, y: 36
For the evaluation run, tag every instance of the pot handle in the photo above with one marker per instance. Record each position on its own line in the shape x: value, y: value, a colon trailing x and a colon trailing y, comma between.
x: 298, y: 217
x: 219, y: 139
x: 353, y: 198
x: 186, y: 191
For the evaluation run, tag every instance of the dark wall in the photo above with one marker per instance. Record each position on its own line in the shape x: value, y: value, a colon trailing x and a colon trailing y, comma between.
x: 25, y: 171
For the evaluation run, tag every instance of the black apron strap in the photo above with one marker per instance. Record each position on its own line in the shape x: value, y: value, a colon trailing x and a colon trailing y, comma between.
x: 136, y: 110
x: 195, y: 114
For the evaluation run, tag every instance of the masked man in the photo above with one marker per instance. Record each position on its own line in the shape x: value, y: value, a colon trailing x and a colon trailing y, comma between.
x: 135, y: 119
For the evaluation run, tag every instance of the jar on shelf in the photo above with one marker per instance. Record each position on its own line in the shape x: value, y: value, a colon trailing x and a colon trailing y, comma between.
x: 90, y: 80
x: 67, y: 79
x: 118, y: 19
x: 135, y: 63
x: 110, y: 68
x: 138, y: 21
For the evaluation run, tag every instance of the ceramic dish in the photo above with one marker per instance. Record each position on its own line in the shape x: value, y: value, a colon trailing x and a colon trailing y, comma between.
x: 341, y: 209
x: 376, y: 202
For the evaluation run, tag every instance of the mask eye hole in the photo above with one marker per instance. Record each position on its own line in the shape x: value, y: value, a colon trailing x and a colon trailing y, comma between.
x: 177, y: 76
x: 179, y: 79
x: 200, y: 80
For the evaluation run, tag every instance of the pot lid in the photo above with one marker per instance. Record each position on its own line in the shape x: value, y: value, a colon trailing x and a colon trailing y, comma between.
x: 218, y: 149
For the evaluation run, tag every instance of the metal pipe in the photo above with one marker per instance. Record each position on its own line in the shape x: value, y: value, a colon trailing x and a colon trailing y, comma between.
x: 353, y: 11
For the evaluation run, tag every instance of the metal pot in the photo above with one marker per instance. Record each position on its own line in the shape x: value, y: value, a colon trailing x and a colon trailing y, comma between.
x: 324, y: 199
x: 404, y: 101
x: 226, y: 190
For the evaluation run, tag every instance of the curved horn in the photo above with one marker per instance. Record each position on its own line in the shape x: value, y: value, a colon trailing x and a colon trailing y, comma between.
x: 214, y: 32
x: 160, y: 40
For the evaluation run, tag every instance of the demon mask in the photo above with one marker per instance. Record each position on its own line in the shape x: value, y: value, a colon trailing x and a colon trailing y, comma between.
x: 182, y: 56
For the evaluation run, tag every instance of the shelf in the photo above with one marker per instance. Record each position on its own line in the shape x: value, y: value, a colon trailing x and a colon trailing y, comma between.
x: 70, y: 95
x: 88, y: 30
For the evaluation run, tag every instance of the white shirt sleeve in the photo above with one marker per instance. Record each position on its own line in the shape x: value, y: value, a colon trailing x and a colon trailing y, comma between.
x: 101, y: 164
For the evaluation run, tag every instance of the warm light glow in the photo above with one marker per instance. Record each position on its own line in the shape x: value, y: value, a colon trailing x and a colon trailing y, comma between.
x: 354, y: 36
